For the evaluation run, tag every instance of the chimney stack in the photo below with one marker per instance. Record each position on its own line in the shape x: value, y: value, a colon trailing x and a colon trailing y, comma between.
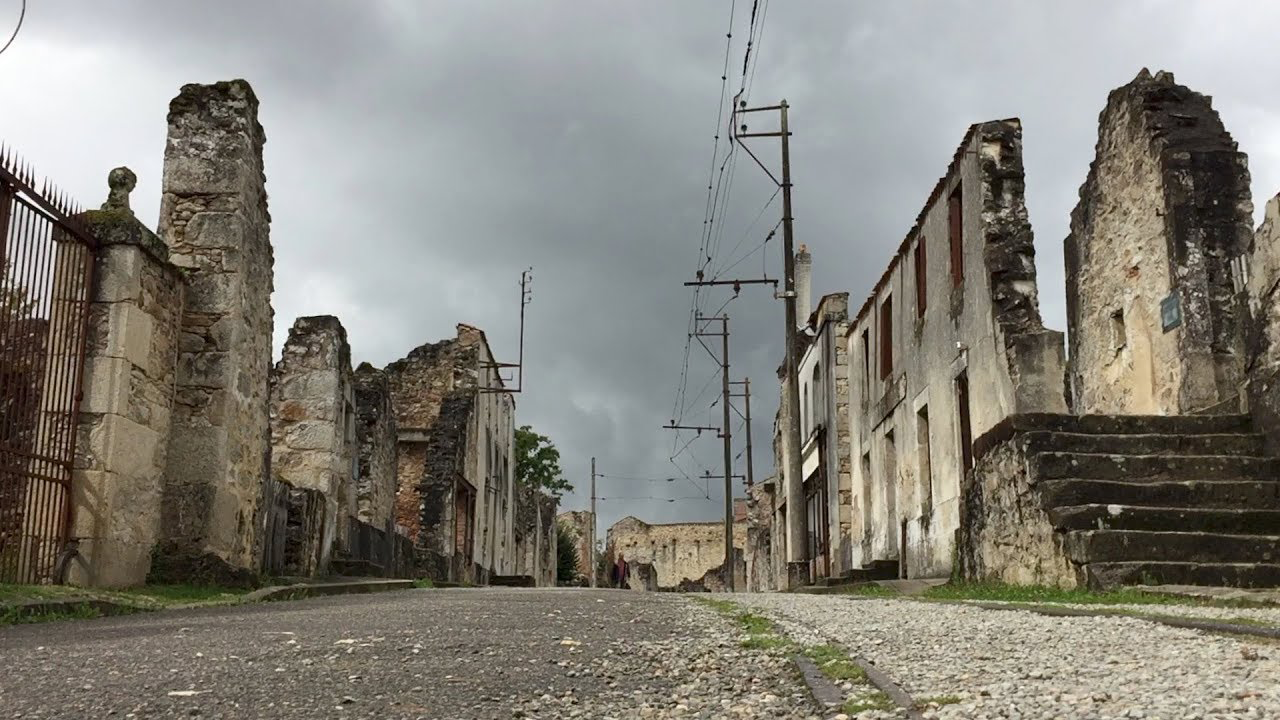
x: 804, y: 269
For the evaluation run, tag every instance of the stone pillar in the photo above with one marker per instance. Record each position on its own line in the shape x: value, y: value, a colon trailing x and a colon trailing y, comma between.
x: 1154, y: 321
x: 213, y: 216
x: 313, y: 425
x: 129, y: 376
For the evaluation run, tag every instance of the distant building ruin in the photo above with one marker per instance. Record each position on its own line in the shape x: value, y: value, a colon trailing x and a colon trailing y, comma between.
x: 688, y: 557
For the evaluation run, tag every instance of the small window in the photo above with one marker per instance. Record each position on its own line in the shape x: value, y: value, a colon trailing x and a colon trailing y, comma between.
x: 922, y: 294
x: 955, y: 212
x: 866, y: 359
x: 886, y: 337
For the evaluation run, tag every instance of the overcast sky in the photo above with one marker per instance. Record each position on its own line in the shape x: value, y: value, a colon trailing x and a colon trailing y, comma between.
x: 421, y: 154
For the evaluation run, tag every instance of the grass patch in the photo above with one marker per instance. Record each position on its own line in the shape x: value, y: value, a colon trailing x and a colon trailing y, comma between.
x: 760, y: 631
x: 422, y: 583
x: 167, y: 595
x: 15, y: 616
x: 1000, y: 592
x: 868, y: 590
x: 876, y: 701
x: 835, y: 663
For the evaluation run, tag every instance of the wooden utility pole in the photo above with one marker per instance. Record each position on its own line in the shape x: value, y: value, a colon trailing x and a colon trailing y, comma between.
x: 591, y: 552
x: 746, y: 399
x: 797, y: 518
x: 726, y: 434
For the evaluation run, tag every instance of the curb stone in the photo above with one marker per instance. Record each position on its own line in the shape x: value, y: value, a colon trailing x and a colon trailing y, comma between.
x: 824, y: 692
x: 71, y: 604
x: 298, y: 591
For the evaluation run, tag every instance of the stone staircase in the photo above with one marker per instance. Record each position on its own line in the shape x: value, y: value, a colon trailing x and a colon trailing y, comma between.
x: 877, y: 570
x: 1189, y: 500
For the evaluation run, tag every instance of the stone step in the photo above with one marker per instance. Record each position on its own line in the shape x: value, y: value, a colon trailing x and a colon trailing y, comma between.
x: 1132, y: 424
x: 1186, y: 493
x: 1093, y: 546
x: 1100, y: 576
x: 1099, y: 516
x: 1134, y: 468
x: 1249, y: 444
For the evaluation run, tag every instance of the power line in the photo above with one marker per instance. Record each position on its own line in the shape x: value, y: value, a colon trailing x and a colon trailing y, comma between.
x: 22, y: 15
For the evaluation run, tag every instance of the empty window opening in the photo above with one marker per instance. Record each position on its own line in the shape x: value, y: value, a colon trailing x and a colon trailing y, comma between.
x: 866, y: 360
x: 818, y: 406
x: 891, y: 493
x: 955, y: 213
x: 966, y: 432
x: 886, y: 337
x: 926, y: 469
x: 922, y: 294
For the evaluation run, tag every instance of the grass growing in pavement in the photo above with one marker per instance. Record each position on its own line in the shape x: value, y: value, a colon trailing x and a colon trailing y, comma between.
x: 423, y: 583
x: 1000, y: 592
x: 147, y: 597
x: 868, y: 590
x: 833, y: 662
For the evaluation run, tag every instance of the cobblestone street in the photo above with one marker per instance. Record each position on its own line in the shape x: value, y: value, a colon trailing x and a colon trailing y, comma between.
x: 1001, y: 664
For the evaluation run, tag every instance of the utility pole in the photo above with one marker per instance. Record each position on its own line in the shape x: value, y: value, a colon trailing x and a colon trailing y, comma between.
x: 591, y: 552
x: 727, y: 435
x: 797, y: 518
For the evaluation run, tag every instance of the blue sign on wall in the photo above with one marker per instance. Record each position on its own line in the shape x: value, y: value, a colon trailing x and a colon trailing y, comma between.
x: 1170, y: 312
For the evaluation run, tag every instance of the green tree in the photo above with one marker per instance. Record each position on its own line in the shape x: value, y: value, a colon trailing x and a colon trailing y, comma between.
x: 566, y: 556
x: 538, y: 463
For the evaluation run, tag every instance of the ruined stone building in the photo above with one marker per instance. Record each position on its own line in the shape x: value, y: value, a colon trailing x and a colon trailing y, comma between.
x: 580, y: 526
x: 676, y: 556
x: 975, y: 447
x: 456, y: 428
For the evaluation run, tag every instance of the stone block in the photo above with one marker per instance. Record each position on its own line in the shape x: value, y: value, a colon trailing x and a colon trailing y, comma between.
x: 125, y: 447
x: 205, y: 370
x: 210, y: 292
x: 119, y: 274
x: 106, y: 385
x: 201, y: 175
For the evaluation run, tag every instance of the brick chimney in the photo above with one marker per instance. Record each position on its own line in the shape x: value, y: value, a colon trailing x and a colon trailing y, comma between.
x: 804, y: 269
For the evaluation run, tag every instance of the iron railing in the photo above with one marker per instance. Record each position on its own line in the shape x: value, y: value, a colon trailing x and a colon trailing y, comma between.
x: 46, y: 279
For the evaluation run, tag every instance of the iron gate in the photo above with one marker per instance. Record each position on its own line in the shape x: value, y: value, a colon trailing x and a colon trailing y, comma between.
x: 46, y: 276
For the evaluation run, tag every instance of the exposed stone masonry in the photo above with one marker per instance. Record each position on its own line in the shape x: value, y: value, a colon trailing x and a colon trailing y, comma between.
x: 313, y: 425
x: 376, y: 434
x: 213, y: 216
x: 1164, y: 211
x: 131, y: 358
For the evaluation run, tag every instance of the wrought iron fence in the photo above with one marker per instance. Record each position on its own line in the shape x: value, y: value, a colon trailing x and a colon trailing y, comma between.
x: 46, y: 278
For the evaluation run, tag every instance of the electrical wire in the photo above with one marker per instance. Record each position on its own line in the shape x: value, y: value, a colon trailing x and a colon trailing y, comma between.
x: 22, y: 15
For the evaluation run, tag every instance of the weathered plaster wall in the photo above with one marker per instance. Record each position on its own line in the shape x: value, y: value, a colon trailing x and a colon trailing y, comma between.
x: 1164, y: 210
x: 130, y: 366
x: 679, y: 552
x: 213, y: 217
x: 986, y: 329
x: 825, y: 425
x: 764, y: 558
x: 376, y: 436
x: 313, y: 423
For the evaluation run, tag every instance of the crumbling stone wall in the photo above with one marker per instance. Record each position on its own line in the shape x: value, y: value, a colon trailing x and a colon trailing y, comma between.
x: 313, y: 425
x: 535, y: 536
x: 764, y: 558
x: 691, y: 554
x: 578, y: 525
x: 213, y: 217
x: 979, y: 327
x: 1264, y: 327
x: 448, y: 395
x: 1164, y: 211
x: 376, y: 435
x: 131, y: 356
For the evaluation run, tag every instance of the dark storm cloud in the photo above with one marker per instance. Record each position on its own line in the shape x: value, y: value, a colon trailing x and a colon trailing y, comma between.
x: 421, y: 154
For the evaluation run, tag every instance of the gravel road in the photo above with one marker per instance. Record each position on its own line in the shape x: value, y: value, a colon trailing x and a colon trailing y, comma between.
x: 499, y: 653
x: 1006, y: 664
